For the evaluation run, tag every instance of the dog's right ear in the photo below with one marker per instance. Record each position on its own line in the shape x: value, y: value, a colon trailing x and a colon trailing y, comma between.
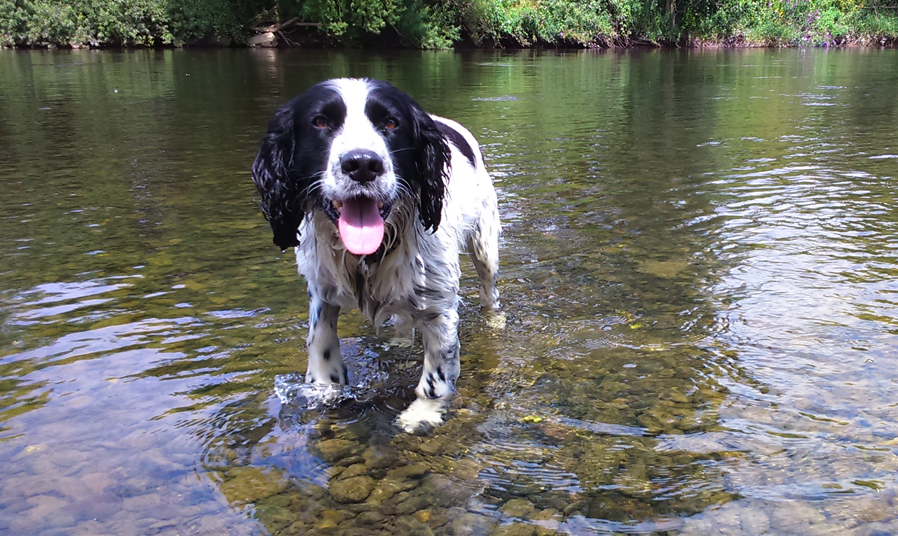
x: 282, y: 192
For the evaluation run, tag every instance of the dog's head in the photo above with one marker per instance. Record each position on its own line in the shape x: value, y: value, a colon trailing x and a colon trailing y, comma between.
x: 352, y: 149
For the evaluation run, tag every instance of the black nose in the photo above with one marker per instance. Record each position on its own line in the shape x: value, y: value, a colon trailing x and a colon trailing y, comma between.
x: 361, y: 165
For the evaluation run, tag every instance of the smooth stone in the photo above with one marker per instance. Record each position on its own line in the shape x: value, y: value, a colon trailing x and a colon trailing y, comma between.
x: 141, y: 503
x: 68, y: 457
x: 875, y: 529
x: 465, y: 469
x: 520, y: 508
x: 73, y: 488
x: 380, y: 456
x: 796, y: 517
x: 413, y: 503
x: 249, y: 484
x: 406, y: 524
x: 331, y: 450
x: 90, y: 528
x: 99, y: 506
x: 754, y: 521
x: 98, y: 482
x: 545, y: 515
x: 372, y: 517
x: 873, y: 509
x: 59, y: 519
x: 414, y: 470
x: 445, y: 492
x: 353, y: 470
x: 331, y: 518
x: 469, y: 524
x: 387, y: 488
x: 350, y: 460
x: 421, y: 530
x: 43, y: 505
x: 351, y: 490
x: 516, y: 529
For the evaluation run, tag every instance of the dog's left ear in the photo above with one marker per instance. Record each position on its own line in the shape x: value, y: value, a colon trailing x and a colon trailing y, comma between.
x: 433, y: 161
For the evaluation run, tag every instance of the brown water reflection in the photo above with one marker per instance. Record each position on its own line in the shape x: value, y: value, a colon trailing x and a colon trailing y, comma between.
x: 698, y: 260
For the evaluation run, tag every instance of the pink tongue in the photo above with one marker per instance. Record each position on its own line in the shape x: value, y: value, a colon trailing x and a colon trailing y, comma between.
x: 361, y: 227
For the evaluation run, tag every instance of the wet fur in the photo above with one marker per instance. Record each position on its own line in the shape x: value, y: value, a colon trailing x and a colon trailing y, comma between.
x: 443, y: 203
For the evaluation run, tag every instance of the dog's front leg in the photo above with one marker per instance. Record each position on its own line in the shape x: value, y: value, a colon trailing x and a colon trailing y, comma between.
x: 441, y: 356
x: 325, y: 362
x: 441, y: 367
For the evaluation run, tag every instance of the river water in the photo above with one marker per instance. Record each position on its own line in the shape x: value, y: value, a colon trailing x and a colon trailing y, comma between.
x: 699, y: 263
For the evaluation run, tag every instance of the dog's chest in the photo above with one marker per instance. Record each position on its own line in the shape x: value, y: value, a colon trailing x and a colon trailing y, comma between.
x: 396, y: 284
x: 384, y: 289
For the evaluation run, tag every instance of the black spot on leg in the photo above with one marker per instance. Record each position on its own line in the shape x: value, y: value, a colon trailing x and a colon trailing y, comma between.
x: 440, y: 373
x: 431, y: 389
x: 451, y: 352
x: 327, y: 354
x: 335, y: 378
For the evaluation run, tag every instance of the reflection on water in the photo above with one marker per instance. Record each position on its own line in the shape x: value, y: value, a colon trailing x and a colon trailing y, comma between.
x: 699, y: 264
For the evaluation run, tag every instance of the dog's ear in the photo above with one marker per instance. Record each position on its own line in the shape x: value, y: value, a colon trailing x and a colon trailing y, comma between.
x: 282, y: 194
x: 433, y: 161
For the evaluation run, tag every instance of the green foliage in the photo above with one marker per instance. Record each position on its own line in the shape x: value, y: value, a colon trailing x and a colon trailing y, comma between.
x: 429, y: 26
x: 138, y: 22
x: 194, y: 19
x: 874, y: 25
x: 545, y: 21
x: 443, y: 23
x: 803, y: 22
x: 353, y: 19
x: 116, y: 22
x: 417, y: 23
x: 771, y: 29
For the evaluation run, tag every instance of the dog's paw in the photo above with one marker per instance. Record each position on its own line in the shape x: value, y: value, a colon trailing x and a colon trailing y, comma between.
x: 495, y: 320
x: 292, y: 390
x: 423, y: 415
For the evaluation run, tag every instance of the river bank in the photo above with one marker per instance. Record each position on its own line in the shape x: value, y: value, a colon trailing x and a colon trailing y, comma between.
x: 274, y: 40
x: 428, y: 24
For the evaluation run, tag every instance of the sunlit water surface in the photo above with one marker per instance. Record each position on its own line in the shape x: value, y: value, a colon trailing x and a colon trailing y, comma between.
x: 699, y: 257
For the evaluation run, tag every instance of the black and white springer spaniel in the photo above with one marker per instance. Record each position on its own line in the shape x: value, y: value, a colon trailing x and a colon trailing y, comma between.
x: 379, y: 198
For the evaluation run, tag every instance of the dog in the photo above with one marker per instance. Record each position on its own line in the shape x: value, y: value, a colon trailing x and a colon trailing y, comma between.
x: 379, y: 199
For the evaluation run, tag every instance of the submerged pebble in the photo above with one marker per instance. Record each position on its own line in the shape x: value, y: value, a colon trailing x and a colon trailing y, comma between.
x: 351, y: 490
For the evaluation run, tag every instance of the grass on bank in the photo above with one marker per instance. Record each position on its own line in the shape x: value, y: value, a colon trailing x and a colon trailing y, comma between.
x: 447, y: 23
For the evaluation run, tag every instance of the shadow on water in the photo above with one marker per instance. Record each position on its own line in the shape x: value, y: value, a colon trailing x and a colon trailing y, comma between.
x: 695, y: 251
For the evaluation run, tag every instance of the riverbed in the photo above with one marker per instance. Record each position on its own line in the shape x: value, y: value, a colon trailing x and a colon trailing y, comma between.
x: 699, y: 260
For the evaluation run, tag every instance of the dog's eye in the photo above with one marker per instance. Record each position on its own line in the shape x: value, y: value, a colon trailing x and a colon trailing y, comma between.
x: 390, y: 123
x: 320, y: 121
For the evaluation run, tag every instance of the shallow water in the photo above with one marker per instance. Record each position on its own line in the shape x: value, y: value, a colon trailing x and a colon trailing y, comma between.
x: 699, y: 261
